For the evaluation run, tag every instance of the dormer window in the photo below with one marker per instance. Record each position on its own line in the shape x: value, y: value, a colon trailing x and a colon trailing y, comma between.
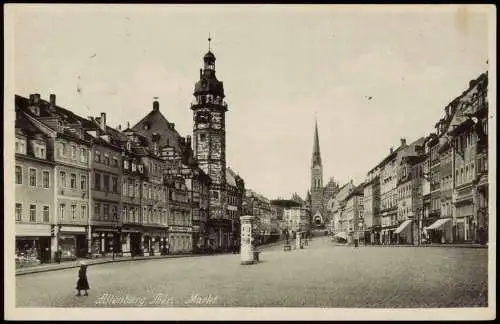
x: 140, y: 168
x: 20, y: 145
x: 146, y: 126
x: 40, y: 150
x: 129, y: 146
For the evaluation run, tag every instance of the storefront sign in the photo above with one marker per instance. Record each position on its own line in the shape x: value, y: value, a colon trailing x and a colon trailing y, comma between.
x: 32, y: 230
x: 180, y: 229
x: 73, y: 229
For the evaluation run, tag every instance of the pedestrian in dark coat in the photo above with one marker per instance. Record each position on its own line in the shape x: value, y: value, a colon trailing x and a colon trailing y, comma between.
x: 82, y: 283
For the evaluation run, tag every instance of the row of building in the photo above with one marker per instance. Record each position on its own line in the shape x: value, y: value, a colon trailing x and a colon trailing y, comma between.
x: 434, y: 189
x: 83, y: 188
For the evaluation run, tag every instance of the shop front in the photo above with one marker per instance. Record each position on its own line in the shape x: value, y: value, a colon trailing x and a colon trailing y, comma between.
x: 72, y: 242
x: 440, y: 231
x: 181, y: 239
x: 154, y: 241
x: 104, y: 241
x: 464, y: 225
x: 32, y: 244
x: 404, y: 232
x: 131, y: 241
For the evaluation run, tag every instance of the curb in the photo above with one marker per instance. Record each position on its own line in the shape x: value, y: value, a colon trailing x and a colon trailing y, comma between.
x: 422, y: 246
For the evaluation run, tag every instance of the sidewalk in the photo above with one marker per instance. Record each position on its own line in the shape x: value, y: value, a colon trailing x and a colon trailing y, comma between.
x: 457, y: 245
x: 76, y: 263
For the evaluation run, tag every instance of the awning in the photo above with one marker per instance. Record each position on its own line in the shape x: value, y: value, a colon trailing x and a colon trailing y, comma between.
x: 402, y: 226
x: 437, y: 224
x: 341, y: 235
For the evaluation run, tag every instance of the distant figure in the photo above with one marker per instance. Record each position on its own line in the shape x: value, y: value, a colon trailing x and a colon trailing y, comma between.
x: 82, y: 283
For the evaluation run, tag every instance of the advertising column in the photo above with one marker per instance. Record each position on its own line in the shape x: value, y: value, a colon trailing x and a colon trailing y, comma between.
x: 247, y: 251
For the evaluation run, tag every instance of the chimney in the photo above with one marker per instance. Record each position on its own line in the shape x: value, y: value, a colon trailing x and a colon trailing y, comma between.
x: 172, y: 125
x: 103, y: 121
x: 201, y: 73
x: 403, y: 141
x: 447, y: 110
x: 128, y: 125
x: 90, y: 118
x: 188, y: 140
x: 52, y: 100
x: 32, y: 99
x: 156, y: 105
x: 391, y: 150
x: 36, y: 98
x: 119, y: 127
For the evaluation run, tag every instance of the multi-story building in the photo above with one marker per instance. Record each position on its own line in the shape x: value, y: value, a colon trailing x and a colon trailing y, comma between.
x: 469, y: 140
x: 260, y: 207
x: 34, y: 188
x: 70, y: 152
x: 336, y: 207
x: 371, y: 206
x: 353, y: 214
x: 106, y: 188
x: 235, y: 195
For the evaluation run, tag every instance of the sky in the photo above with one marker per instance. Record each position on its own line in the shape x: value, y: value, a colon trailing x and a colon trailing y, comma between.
x: 283, y: 67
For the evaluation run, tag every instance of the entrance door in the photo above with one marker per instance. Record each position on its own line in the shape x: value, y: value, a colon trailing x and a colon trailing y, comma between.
x: 81, y: 246
x: 44, y: 249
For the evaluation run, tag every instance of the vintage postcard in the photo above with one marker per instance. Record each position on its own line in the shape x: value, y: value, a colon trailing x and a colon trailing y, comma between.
x: 213, y: 162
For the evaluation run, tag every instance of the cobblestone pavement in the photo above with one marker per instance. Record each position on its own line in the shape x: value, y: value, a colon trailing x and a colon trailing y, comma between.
x: 321, y: 275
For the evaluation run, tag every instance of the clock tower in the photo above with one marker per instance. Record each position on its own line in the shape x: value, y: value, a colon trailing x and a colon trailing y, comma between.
x: 209, y: 141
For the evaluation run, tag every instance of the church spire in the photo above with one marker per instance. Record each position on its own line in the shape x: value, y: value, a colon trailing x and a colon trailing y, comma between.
x: 316, y: 157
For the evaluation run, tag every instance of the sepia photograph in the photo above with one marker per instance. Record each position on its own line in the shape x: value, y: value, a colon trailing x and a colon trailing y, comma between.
x: 271, y: 162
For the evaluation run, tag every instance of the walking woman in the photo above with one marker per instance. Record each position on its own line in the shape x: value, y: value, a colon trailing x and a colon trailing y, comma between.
x: 82, y: 283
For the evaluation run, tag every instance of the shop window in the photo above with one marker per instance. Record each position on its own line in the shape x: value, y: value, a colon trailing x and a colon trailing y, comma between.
x: 32, y: 174
x: 19, y: 174
x: 33, y: 213
x: 46, y: 214
x: 46, y: 179
x: 73, y: 181
x: 19, y: 212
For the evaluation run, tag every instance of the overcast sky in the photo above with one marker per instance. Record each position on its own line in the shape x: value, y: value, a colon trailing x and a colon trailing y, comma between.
x: 280, y: 66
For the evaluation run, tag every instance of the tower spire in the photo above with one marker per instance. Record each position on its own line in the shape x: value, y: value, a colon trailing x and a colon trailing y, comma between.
x: 209, y: 40
x: 316, y: 158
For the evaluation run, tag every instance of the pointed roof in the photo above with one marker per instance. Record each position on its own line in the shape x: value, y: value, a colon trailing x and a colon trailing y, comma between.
x: 316, y: 157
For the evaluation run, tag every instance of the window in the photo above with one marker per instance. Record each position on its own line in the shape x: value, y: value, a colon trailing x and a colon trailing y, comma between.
x: 20, y: 145
x: 73, y: 181
x: 97, y: 210
x: 32, y: 213
x: 83, y: 154
x: 39, y: 151
x: 115, y: 161
x: 73, y: 212
x: 131, y: 188
x: 83, y: 182
x: 137, y: 189
x: 19, y: 212
x: 106, y: 159
x: 203, y: 137
x: 106, y: 182
x: 125, y: 164
x: 134, y: 167
x: 32, y: 177
x: 83, y: 211
x: 115, y: 184
x: 97, y: 157
x: 97, y: 181
x: 114, y: 213
x: 124, y: 188
x: 73, y: 152
x: 62, y: 176
x: 63, y: 210
x: 19, y: 174
x: 45, y: 214
x: 105, y: 211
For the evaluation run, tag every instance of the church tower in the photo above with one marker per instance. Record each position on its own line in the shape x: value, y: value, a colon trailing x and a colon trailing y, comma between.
x: 209, y: 141
x: 316, y: 180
